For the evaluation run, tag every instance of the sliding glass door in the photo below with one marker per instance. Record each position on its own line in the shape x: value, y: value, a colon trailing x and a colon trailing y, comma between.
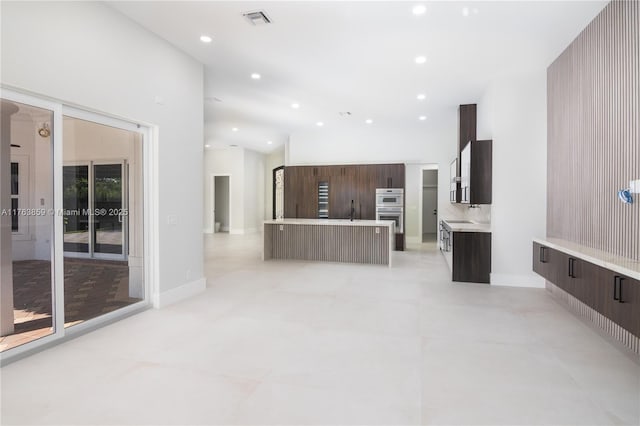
x: 72, y: 221
x: 96, y: 214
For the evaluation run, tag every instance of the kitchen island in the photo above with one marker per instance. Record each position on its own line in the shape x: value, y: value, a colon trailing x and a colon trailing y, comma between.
x: 330, y: 240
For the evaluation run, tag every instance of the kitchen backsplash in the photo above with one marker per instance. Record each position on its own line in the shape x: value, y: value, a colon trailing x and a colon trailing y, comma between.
x: 481, y: 214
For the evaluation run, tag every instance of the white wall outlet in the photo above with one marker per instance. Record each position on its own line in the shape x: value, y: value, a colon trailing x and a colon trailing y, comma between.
x: 377, y: 230
x: 281, y: 227
x: 634, y: 186
x: 172, y: 219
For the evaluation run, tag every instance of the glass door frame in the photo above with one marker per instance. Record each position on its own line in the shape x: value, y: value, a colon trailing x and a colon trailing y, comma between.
x: 91, y: 253
x: 148, y: 133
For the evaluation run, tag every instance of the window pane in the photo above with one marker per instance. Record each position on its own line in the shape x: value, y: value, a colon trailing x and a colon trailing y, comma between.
x: 75, y: 190
x: 14, y: 215
x: 14, y: 179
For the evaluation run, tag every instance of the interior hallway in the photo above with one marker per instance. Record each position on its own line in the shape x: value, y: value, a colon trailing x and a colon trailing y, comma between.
x: 311, y: 343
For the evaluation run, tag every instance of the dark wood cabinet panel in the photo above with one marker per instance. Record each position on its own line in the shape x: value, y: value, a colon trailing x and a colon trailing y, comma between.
x: 342, y: 190
x: 614, y: 295
x: 366, y: 183
x: 400, y: 242
x: 471, y: 257
x: 541, y: 260
x: 476, y: 172
x: 619, y: 299
x: 301, y: 193
x: 467, y: 124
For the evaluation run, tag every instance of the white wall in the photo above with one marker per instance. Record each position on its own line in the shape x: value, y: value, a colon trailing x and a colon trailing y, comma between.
x: 97, y: 58
x: 226, y: 161
x: 513, y: 114
x: 432, y: 143
x: 253, y: 191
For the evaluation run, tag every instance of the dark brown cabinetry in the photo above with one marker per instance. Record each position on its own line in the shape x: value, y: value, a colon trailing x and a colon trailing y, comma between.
x: 301, y: 185
x: 344, y: 183
x: 618, y: 298
x: 476, y: 172
x: 471, y: 257
x: 467, y: 125
x: 614, y: 295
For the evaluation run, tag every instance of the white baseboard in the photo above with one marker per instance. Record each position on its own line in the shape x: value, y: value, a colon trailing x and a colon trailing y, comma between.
x: 236, y: 231
x: 251, y: 231
x: 180, y: 293
x: 517, y: 280
x: 207, y: 231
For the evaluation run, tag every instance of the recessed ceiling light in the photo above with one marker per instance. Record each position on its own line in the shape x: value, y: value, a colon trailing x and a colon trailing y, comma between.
x: 269, y: 142
x: 421, y: 59
x: 235, y: 129
x: 422, y: 117
x: 419, y: 9
x: 319, y: 124
x: 465, y: 11
x: 205, y: 38
x: 421, y: 97
x: 207, y: 146
x: 295, y: 105
x: 256, y: 76
x: 368, y: 121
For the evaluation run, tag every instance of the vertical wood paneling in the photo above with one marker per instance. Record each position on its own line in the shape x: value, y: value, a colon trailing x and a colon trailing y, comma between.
x: 328, y: 243
x: 593, y: 116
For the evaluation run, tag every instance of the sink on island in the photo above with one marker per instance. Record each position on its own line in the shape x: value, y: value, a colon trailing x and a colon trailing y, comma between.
x: 330, y: 240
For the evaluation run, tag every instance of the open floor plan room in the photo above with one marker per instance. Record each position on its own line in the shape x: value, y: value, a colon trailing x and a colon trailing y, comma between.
x: 296, y: 342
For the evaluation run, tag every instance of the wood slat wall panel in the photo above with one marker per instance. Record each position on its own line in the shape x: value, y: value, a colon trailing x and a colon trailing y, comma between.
x: 353, y: 244
x: 593, y: 93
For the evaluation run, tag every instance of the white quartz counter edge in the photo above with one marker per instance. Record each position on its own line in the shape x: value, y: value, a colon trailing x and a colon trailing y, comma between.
x: 468, y: 227
x: 610, y: 261
x: 340, y: 222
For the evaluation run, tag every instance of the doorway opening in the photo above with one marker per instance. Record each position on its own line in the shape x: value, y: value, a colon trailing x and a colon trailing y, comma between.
x: 429, y: 206
x: 221, y: 203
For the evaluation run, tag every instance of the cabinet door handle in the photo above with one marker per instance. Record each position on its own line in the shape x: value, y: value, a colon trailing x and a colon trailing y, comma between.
x: 616, y: 282
x: 542, y: 257
x: 572, y: 263
x: 620, y: 279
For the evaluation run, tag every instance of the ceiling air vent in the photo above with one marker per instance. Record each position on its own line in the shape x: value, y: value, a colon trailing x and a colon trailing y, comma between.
x: 258, y: 17
x: 344, y: 113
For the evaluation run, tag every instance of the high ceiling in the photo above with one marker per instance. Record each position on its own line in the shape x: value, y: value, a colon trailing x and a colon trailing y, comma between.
x: 332, y: 57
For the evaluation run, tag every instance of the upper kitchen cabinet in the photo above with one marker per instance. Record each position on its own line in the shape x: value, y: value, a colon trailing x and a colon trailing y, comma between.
x: 389, y: 176
x: 467, y: 122
x: 475, y: 172
x: 454, y: 182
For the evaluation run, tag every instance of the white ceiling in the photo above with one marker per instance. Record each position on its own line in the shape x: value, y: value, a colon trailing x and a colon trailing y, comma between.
x: 354, y: 56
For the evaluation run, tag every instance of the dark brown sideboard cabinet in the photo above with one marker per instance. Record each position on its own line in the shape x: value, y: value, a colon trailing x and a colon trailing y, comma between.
x: 612, y: 294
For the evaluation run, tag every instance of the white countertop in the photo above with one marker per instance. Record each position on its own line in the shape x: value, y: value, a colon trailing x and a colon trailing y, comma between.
x: 469, y: 226
x: 610, y: 261
x: 340, y: 222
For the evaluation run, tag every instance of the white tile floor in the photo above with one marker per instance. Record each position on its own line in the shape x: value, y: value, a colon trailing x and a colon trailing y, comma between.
x: 311, y: 343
